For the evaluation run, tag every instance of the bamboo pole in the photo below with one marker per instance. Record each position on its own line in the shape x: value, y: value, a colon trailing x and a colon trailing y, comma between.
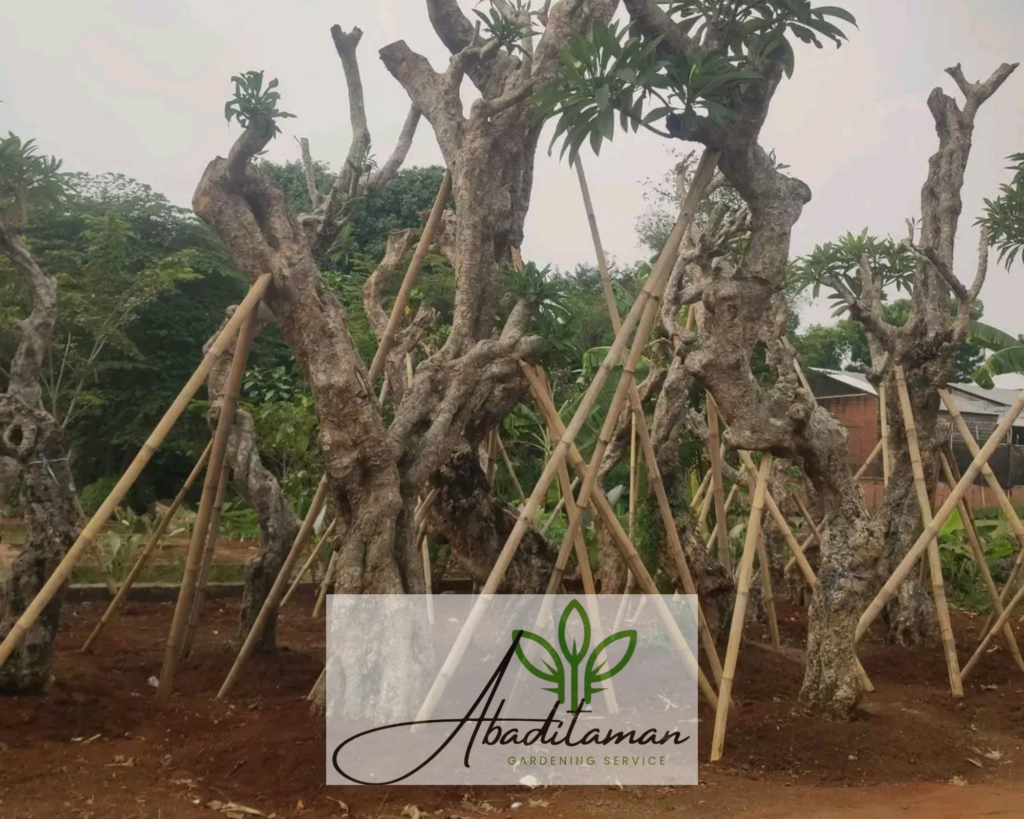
x: 622, y: 540
x: 698, y: 496
x: 934, y: 561
x: 428, y: 579
x: 411, y: 274
x: 733, y: 492
x: 508, y: 465
x: 274, y: 596
x: 1012, y: 519
x: 639, y: 428
x: 309, y: 561
x: 640, y: 317
x: 739, y: 611
x: 558, y: 507
x: 106, y: 509
x: 891, y: 586
x: 589, y: 589
x: 948, y: 466
x: 633, y: 486
x: 766, y: 591
x: 717, y: 487
x: 147, y: 550
x: 206, y: 564
x: 211, y: 486
x: 624, y: 603
x: 884, y: 424
x: 1003, y: 620
x: 325, y: 584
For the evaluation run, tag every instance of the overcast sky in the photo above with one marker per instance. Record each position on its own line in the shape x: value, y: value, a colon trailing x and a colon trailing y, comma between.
x: 138, y: 87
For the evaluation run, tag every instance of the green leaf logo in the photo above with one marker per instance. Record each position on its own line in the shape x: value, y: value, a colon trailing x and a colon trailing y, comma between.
x: 593, y: 673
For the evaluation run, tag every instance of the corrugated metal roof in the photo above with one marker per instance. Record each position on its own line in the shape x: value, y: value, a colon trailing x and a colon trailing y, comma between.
x: 969, y: 398
x: 856, y: 380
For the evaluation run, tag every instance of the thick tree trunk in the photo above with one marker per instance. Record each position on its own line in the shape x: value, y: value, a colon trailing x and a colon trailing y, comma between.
x: 33, y: 443
x: 51, y: 526
x: 467, y: 515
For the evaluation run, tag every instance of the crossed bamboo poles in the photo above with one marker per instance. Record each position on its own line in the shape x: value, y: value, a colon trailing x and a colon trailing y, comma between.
x: 640, y: 318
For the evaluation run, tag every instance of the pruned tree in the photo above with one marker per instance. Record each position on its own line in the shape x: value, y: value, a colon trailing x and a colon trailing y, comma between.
x: 254, y: 105
x: 711, y: 70
x: 31, y: 440
x: 379, y: 466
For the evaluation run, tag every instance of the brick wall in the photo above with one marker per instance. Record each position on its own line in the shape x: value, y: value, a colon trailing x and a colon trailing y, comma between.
x: 859, y: 414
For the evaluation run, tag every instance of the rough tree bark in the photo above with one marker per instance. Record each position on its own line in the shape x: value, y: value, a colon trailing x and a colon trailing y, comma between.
x: 927, y: 344
x: 744, y: 308
x: 32, y: 443
x: 377, y: 471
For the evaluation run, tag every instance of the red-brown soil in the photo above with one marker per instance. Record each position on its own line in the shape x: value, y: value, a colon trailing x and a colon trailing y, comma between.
x: 96, y: 746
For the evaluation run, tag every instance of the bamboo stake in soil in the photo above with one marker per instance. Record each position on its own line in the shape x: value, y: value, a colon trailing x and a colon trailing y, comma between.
x: 508, y: 465
x: 990, y: 478
x: 106, y: 509
x: 626, y: 548
x: 739, y: 611
x: 892, y: 585
x: 152, y: 543
x: 948, y: 467
x: 934, y: 561
x: 717, y: 488
x: 639, y: 427
x: 277, y: 590
x: 642, y: 314
x: 427, y: 577
x: 766, y: 591
x: 211, y: 485
x: 1003, y: 620
x: 325, y: 584
x: 206, y: 564
x: 309, y: 562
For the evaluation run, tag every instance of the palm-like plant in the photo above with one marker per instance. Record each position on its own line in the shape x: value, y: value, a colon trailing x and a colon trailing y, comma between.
x: 1004, y: 215
x: 28, y: 179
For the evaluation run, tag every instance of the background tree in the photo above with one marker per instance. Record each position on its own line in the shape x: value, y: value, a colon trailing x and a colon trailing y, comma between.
x: 31, y: 441
x: 709, y: 72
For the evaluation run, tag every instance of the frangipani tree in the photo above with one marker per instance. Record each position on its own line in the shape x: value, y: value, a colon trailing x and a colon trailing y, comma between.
x: 710, y: 78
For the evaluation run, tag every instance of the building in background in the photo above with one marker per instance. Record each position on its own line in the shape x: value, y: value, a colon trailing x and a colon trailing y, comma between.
x: 853, y: 400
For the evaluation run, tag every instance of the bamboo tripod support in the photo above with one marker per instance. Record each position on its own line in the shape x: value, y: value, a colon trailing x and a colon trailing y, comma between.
x: 948, y: 467
x: 740, y: 609
x: 277, y: 590
x: 640, y: 428
x: 206, y: 564
x: 148, y: 549
x: 934, y: 561
x: 640, y: 317
x: 201, y: 528
x: 993, y: 632
x: 106, y: 509
x: 891, y: 586
x: 1013, y: 520
x: 622, y: 541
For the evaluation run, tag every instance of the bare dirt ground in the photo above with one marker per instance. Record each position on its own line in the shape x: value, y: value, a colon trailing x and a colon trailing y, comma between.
x: 96, y: 746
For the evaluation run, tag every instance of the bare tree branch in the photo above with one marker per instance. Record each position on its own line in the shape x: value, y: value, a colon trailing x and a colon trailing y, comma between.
x: 315, y: 197
x: 388, y: 170
x: 37, y: 329
x: 398, y: 245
